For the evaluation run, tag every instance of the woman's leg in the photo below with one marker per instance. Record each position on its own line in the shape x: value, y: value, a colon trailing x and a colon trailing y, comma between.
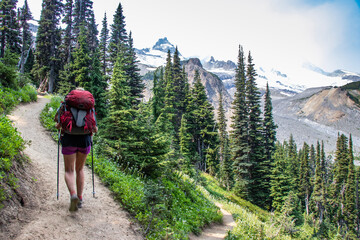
x: 69, y: 162
x: 80, y: 162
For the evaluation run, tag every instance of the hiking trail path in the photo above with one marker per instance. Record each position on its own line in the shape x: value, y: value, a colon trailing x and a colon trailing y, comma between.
x: 48, y: 218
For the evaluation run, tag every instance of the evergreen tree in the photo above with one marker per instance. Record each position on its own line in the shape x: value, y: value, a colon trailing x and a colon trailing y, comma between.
x: 269, y: 125
x: 202, y: 126
x: 185, y: 144
x: 168, y: 69
x: 158, y: 101
x: 84, y: 17
x: 239, y: 135
x: 9, y: 28
x: 179, y: 84
x: 293, y: 163
x: 340, y: 174
x: 118, y: 35
x: 98, y: 86
x: 259, y: 190
x: 280, y: 179
x: 47, y: 43
x: 224, y: 154
x: 305, y: 181
x: 318, y: 193
x: 132, y: 140
x: 26, y: 36
x: 80, y: 67
x: 68, y: 36
x: 349, y: 195
x: 169, y: 111
x: 104, y: 41
x: 133, y: 73
x: 29, y: 64
x: 269, y: 141
x: 357, y: 199
x: 118, y: 122
x: 312, y: 162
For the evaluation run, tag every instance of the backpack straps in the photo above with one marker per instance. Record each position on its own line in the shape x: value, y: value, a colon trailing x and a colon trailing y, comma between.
x: 58, y: 111
x: 93, y: 112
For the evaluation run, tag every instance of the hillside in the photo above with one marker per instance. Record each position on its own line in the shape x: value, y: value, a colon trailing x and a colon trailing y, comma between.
x: 318, y: 114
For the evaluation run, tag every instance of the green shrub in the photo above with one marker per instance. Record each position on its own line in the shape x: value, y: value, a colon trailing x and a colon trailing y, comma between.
x: 9, y: 98
x: 47, y: 115
x: 7, y: 76
x: 10, y: 145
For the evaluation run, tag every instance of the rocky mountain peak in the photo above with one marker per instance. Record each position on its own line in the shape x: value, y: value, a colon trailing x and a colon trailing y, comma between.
x: 164, y: 45
x: 195, y: 61
x: 213, y: 64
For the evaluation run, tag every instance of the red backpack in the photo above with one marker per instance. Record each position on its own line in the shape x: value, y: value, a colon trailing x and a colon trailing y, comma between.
x: 77, y: 113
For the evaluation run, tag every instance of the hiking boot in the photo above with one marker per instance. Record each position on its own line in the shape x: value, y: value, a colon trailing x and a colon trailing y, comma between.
x: 80, y: 203
x: 73, y: 203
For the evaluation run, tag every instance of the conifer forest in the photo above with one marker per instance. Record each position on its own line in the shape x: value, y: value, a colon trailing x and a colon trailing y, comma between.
x: 177, y: 141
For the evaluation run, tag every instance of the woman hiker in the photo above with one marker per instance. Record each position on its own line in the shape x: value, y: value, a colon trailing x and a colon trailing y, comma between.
x: 75, y: 148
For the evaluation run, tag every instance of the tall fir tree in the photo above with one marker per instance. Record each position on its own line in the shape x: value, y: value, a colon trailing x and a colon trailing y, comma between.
x: 48, y: 40
x: 103, y: 45
x: 81, y: 64
x: 185, y: 144
x: 179, y: 84
x: 269, y: 133
x: 224, y: 152
x: 84, y: 17
x: 259, y: 192
x: 158, y: 99
x: 305, y: 178
x: 350, y: 197
x: 318, y: 197
x: 133, y: 73
x: 27, y: 41
x: 202, y: 127
x: 241, y: 164
x: 117, y: 123
x: 340, y: 173
x: 169, y: 110
x: 98, y: 86
x: 293, y: 163
x: 9, y: 28
x: 132, y: 140
x: 280, y: 178
x: 68, y: 34
x: 118, y: 35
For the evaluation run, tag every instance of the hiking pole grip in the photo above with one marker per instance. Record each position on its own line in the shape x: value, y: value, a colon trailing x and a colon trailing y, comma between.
x: 92, y: 164
x: 58, y: 161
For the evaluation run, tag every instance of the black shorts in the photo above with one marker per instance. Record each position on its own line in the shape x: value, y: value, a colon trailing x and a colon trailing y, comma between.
x: 80, y: 141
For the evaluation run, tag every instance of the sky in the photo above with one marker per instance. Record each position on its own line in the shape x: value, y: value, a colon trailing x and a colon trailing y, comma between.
x: 281, y: 34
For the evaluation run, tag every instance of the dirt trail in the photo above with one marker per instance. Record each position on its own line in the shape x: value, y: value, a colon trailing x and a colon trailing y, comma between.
x: 100, y: 217
x: 217, y: 231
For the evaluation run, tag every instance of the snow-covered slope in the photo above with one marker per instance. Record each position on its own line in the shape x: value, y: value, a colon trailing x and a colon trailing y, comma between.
x: 289, y: 83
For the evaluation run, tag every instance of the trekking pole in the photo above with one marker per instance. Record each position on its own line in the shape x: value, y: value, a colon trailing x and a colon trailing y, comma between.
x: 58, y: 160
x: 92, y: 164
